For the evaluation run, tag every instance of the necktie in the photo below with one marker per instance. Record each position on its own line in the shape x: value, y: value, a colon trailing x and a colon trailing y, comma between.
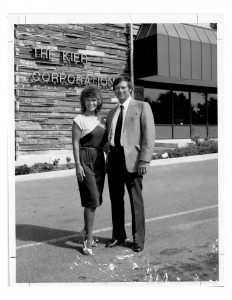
x: 118, y: 128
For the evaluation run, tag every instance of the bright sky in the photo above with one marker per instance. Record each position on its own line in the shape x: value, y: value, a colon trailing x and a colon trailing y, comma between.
x: 202, y: 25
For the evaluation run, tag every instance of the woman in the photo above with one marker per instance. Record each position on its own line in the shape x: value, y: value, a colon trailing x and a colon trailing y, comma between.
x: 88, y: 140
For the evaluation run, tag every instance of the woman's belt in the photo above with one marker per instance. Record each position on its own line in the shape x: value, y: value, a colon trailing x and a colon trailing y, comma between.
x: 95, y: 148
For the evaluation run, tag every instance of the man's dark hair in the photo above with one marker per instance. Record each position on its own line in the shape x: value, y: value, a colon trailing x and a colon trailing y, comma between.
x: 123, y: 78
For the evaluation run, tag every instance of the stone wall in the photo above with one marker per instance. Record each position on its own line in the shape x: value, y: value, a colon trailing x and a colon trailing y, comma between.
x: 47, y: 89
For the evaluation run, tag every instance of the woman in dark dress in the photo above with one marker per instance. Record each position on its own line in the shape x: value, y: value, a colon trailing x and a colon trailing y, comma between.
x: 88, y: 138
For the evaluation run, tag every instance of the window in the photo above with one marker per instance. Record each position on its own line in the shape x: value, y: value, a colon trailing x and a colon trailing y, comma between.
x: 198, y: 108
x: 161, y: 104
x: 212, y: 109
x: 181, y: 106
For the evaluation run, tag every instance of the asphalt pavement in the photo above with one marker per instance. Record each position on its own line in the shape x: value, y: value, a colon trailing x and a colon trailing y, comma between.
x: 181, y: 209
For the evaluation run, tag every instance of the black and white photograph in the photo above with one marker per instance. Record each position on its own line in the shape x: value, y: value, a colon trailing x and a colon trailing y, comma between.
x: 114, y: 133
x: 116, y: 152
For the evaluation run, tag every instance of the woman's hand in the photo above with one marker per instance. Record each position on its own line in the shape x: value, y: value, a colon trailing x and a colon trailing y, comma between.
x: 80, y: 172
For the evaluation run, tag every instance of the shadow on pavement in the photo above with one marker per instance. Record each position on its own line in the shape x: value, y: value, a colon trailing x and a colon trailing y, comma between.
x: 198, y: 263
x: 57, y: 237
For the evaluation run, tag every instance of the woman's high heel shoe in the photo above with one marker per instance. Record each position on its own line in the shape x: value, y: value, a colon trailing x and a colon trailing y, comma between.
x: 87, y: 251
x: 94, y: 241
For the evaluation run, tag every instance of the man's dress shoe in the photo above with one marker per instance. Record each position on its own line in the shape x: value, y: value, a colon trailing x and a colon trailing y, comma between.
x: 137, y: 248
x: 114, y: 243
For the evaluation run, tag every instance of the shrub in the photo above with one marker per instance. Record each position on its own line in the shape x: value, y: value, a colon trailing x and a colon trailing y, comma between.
x: 20, y: 170
x: 56, y: 162
x: 68, y: 159
x: 41, y: 167
x: 71, y: 166
x: 200, y: 147
x: 184, y: 151
x: 210, y: 145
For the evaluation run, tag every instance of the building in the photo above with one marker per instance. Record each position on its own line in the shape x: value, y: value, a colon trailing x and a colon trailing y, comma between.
x: 174, y: 68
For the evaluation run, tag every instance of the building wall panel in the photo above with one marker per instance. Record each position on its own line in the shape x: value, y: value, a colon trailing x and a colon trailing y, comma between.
x: 196, y: 60
x: 185, y: 59
x: 214, y: 62
x: 145, y: 56
x: 213, y: 131
x: 199, y: 130
x: 45, y: 111
x: 163, y: 55
x: 163, y: 132
x: 174, y: 55
x: 181, y: 132
x: 206, y: 62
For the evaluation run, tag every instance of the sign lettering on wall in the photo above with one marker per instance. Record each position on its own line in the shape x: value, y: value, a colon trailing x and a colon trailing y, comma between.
x: 72, y: 79
x: 63, y: 78
x: 72, y: 57
x: 65, y: 56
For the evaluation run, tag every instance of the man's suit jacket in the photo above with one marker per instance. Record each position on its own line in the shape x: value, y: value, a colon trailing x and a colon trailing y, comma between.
x: 138, y: 135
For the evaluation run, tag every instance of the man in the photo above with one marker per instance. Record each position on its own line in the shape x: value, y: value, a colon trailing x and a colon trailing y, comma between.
x: 131, y: 136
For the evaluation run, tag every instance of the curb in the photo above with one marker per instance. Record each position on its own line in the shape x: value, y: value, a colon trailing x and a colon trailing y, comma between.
x: 158, y: 162
x: 184, y: 159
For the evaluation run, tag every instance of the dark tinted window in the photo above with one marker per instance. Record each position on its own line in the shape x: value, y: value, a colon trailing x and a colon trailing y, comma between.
x: 181, y: 106
x: 161, y: 104
x: 198, y: 108
x: 212, y: 109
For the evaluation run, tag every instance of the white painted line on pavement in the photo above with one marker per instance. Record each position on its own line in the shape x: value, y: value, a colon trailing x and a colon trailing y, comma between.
x: 110, y: 228
x: 181, y: 213
x: 185, y: 226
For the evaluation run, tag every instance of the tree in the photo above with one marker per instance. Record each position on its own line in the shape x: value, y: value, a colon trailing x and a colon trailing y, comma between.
x: 213, y: 25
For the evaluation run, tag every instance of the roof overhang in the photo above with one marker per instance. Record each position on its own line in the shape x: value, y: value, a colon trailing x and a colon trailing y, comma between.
x: 181, y: 81
x: 181, y: 54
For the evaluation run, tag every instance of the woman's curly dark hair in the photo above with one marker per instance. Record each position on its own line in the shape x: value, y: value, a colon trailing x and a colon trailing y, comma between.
x: 91, y: 91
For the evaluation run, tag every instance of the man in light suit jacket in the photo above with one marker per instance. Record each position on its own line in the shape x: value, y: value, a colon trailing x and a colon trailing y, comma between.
x: 131, y: 137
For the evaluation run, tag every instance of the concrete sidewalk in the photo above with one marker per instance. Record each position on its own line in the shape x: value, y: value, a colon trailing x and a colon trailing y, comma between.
x: 158, y: 162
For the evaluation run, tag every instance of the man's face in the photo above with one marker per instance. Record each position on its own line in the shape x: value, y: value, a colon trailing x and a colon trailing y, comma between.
x: 122, y: 91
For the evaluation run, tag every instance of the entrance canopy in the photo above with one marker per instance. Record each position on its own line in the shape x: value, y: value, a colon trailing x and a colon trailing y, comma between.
x: 177, y: 54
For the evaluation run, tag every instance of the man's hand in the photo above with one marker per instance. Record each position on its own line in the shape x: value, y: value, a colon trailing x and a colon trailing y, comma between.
x: 142, y: 167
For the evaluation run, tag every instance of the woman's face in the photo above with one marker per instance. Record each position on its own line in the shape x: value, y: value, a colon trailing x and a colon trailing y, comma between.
x: 91, y: 104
